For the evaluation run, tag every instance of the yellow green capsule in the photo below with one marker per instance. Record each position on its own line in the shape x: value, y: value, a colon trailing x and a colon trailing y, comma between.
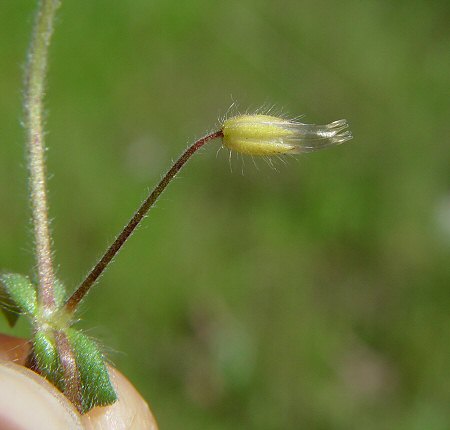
x: 270, y: 135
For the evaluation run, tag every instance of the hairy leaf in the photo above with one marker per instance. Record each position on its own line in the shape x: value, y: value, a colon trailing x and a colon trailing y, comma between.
x: 17, y: 296
x: 96, y: 387
x: 47, y: 359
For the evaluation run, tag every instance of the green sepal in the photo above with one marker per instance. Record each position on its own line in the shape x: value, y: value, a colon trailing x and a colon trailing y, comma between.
x: 96, y: 387
x: 17, y: 296
x: 47, y: 358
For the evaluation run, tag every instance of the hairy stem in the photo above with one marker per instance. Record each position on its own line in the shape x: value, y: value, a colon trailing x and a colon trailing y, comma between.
x: 34, y: 93
x: 146, y: 205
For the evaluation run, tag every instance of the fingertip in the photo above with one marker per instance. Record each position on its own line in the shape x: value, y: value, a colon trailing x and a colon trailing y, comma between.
x: 28, y: 401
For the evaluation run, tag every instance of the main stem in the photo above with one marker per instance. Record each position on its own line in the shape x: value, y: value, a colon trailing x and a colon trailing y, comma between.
x: 146, y: 205
x: 34, y: 94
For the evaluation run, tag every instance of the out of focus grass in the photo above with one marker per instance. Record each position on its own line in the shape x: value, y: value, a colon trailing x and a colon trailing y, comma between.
x: 315, y: 297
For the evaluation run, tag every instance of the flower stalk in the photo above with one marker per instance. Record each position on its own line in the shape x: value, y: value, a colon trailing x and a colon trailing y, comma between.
x: 73, y: 302
x: 34, y: 94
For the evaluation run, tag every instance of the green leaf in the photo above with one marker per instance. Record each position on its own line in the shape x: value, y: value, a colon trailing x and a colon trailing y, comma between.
x: 47, y: 358
x: 96, y: 387
x: 17, y: 296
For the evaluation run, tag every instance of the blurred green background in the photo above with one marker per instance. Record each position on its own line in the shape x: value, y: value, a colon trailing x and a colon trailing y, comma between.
x: 313, y: 297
